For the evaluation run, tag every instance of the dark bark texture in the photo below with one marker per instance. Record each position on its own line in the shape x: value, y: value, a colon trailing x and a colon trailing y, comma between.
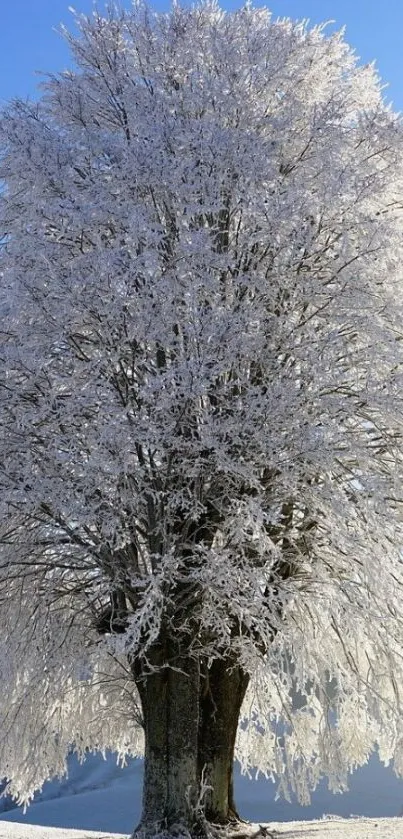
x: 190, y: 714
x: 221, y: 697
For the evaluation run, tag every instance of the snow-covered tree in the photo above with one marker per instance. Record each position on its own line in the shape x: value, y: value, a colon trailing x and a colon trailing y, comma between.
x: 201, y: 410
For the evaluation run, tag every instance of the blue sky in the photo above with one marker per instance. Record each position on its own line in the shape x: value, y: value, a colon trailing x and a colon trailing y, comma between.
x: 29, y: 42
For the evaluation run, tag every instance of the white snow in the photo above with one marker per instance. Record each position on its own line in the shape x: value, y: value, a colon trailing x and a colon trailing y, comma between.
x: 24, y: 831
x: 322, y: 829
x: 99, y: 795
x: 99, y: 799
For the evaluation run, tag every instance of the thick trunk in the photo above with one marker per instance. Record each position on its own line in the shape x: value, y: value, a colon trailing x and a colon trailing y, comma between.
x: 169, y: 698
x: 222, y: 692
x: 190, y: 724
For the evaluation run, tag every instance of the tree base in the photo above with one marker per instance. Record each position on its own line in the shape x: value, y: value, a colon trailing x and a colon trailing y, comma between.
x: 205, y: 830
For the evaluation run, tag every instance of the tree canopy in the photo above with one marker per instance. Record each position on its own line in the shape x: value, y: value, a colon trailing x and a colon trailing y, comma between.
x: 201, y: 391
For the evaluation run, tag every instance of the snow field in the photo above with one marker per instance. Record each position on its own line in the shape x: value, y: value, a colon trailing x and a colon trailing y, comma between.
x: 324, y: 829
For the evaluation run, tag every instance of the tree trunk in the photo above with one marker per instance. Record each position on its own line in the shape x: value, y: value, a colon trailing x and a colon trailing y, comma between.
x: 190, y: 724
x: 170, y: 699
x: 222, y: 692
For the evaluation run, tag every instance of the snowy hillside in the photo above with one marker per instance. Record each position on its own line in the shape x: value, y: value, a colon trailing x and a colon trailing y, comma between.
x: 99, y: 795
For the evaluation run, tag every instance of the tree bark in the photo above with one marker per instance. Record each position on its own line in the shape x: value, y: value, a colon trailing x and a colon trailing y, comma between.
x: 190, y: 724
x: 170, y: 702
x: 222, y: 693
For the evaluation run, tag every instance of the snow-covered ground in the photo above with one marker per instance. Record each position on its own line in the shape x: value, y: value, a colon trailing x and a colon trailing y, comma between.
x: 324, y: 829
x: 100, y: 796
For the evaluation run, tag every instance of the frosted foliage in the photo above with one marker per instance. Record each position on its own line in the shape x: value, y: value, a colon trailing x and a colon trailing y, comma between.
x: 201, y: 389
x: 57, y: 691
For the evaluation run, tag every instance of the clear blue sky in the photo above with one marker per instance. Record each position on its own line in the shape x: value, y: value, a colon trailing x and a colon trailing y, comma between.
x: 29, y: 42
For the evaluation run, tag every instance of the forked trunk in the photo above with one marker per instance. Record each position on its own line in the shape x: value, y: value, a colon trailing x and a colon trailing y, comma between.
x: 190, y: 724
